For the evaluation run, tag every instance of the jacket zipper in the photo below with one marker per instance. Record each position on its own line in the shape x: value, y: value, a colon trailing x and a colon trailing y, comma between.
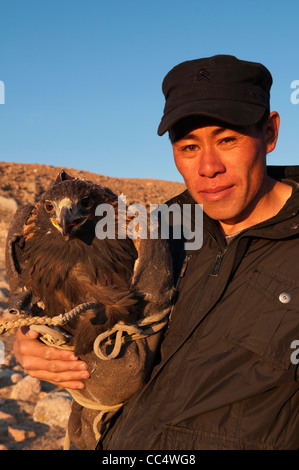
x: 219, y: 256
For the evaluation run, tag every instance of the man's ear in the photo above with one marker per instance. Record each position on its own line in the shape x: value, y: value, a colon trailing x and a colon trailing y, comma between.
x: 271, y: 130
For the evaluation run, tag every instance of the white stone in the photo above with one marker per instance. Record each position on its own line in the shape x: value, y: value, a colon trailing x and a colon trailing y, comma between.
x: 54, y: 409
x: 26, y: 388
x: 8, y: 204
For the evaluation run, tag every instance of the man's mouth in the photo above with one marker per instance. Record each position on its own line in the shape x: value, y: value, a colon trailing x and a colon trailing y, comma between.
x: 216, y: 193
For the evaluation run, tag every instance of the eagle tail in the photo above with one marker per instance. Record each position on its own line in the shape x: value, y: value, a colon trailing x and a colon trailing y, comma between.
x: 115, y: 305
x: 120, y: 304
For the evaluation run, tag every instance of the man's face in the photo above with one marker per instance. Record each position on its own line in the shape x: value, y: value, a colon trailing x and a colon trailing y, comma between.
x: 225, y: 169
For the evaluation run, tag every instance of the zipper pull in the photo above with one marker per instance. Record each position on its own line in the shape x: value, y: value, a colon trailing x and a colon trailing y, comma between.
x: 217, y: 264
x: 182, y: 274
x: 185, y: 264
x: 175, y: 295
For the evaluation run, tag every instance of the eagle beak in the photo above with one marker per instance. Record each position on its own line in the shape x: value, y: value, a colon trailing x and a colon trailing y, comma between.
x: 68, y: 218
x: 66, y: 221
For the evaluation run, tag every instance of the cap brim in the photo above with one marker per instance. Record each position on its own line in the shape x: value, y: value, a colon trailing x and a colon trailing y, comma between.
x: 231, y: 112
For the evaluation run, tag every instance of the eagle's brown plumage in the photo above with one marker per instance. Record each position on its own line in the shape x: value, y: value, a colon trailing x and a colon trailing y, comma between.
x: 63, y: 264
x: 55, y: 262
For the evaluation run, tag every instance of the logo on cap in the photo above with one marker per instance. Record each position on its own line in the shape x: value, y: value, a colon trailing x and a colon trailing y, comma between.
x: 202, y: 74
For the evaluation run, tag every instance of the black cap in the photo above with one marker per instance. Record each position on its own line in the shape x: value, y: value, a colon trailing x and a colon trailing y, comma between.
x: 222, y: 87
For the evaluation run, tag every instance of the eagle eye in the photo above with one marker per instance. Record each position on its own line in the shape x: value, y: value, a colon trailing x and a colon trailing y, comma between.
x: 49, y: 206
x: 86, y: 202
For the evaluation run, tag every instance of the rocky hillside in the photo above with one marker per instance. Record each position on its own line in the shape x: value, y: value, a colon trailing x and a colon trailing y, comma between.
x: 33, y: 414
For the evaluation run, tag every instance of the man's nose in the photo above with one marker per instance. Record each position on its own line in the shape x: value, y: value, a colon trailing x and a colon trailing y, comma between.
x: 210, y: 163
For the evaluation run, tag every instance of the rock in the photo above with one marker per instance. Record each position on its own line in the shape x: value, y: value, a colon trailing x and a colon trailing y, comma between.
x: 4, y: 292
x: 9, y: 419
x: 53, y: 409
x: 16, y: 377
x: 8, y: 204
x: 10, y: 360
x: 19, y: 435
x: 26, y: 388
x: 5, y: 377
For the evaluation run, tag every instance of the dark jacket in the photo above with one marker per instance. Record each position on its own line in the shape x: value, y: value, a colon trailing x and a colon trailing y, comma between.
x: 225, y: 379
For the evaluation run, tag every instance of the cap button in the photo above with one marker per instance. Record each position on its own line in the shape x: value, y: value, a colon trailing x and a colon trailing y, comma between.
x: 284, y: 297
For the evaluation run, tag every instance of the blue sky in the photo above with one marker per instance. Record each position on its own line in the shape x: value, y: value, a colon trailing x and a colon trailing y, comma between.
x: 83, y: 78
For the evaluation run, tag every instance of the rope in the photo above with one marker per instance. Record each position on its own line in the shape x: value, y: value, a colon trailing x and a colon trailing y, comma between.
x: 57, y: 320
x: 94, y: 405
x: 134, y: 332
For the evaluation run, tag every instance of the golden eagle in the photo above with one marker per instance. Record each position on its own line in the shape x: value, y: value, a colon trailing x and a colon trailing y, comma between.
x: 55, y: 262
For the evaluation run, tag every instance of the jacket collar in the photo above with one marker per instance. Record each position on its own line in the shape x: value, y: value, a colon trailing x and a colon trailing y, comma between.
x: 283, y: 225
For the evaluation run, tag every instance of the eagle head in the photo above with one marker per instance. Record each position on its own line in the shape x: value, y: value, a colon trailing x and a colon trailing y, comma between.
x: 69, y: 206
x: 68, y: 215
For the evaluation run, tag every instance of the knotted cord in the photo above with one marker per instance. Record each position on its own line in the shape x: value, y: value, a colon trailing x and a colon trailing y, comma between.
x: 55, y: 321
x: 154, y: 323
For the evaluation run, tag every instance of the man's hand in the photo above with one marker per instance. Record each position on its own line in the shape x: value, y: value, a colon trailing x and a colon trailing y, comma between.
x: 57, y: 366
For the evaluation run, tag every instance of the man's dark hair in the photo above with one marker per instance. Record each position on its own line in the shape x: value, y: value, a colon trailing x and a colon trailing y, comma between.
x: 262, y: 121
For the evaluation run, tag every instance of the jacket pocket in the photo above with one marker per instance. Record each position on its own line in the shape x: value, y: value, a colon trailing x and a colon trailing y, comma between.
x: 180, y: 438
x: 268, y: 319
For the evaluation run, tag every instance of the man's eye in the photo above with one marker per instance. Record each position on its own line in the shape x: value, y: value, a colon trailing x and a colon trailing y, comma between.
x: 227, y: 140
x: 190, y: 148
x: 49, y: 206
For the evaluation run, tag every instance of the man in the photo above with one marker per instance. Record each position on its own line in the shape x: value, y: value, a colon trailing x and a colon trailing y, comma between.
x: 225, y: 379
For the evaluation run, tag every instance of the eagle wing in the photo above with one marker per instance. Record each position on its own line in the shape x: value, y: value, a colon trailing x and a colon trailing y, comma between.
x: 20, y: 297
